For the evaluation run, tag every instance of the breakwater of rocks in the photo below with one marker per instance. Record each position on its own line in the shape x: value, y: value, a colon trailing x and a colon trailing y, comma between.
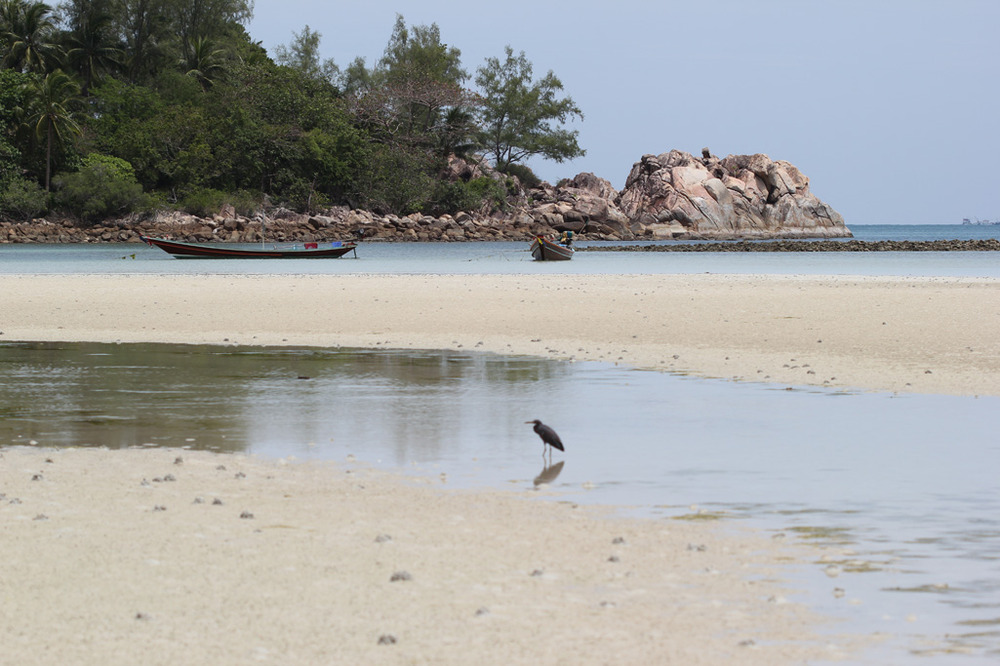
x: 979, y: 245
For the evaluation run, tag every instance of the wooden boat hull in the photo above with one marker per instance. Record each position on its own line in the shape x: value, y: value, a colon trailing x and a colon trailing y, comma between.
x: 184, y: 250
x: 543, y: 249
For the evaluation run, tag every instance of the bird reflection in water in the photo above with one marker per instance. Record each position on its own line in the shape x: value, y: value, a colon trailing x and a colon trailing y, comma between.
x: 549, y: 473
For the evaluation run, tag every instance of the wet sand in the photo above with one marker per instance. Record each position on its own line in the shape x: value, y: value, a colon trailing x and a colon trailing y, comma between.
x: 107, y: 560
x: 928, y: 335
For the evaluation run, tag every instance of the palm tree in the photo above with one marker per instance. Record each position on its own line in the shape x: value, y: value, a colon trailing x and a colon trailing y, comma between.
x: 91, y: 47
x: 49, y: 114
x: 205, y: 63
x: 29, y: 30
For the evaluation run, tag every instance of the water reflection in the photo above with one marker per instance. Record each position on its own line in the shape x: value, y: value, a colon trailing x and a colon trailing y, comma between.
x: 415, y: 406
x: 549, y: 474
x: 900, y: 490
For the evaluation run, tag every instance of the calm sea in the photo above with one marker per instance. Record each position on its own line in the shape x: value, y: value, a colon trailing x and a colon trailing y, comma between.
x: 905, y: 485
x: 513, y: 258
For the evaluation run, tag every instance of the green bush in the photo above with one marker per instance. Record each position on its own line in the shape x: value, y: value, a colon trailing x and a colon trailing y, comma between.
x: 299, y: 195
x: 523, y: 173
x: 396, y: 180
x: 479, y: 194
x: 103, y: 188
x: 204, y: 202
x: 22, y: 199
x: 246, y: 203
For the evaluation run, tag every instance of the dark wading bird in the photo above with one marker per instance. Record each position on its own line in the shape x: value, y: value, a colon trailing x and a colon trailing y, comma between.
x: 548, y: 436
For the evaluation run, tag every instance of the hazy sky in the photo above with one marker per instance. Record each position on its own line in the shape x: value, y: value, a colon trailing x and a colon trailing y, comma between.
x: 890, y: 107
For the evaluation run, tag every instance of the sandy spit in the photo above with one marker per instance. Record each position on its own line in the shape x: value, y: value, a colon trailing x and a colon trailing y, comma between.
x: 153, y: 556
x: 927, y: 335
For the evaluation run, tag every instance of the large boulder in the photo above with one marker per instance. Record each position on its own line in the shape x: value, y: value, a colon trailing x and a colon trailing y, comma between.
x: 584, y: 204
x: 678, y: 195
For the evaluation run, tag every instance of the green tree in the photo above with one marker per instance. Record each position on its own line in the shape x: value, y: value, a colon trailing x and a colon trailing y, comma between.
x: 285, y: 134
x: 206, y: 63
x: 191, y: 20
x: 520, y: 118
x: 49, y: 112
x: 303, y: 55
x: 405, y: 99
x: 143, y: 27
x: 356, y: 79
x: 421, y: 78
x: 12, y: 98
x: 91, y: 46
x: 418, y: 53
x: 395, y: 180
x: 28, y: 37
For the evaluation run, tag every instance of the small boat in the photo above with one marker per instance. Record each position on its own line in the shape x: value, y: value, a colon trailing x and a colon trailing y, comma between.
x: 543, y: 249
x: 308, y: 250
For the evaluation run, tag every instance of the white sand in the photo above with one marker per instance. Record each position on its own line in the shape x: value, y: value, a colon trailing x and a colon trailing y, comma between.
x: 100, y: 568
x: 93, y: 573
x: 931, y: 335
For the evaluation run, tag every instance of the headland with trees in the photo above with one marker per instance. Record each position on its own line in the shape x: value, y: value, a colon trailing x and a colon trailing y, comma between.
x: 115, y: 108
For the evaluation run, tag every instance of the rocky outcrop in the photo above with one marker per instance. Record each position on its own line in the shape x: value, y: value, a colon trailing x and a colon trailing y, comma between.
x: 585, y: 205
x: 669, y: 196
x: 677, y: 195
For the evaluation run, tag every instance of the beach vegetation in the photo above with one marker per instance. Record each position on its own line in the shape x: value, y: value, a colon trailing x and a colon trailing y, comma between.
x: 475, y: 195
x: 181, y: 93
x: 22, y: 199
x: 103, y: 187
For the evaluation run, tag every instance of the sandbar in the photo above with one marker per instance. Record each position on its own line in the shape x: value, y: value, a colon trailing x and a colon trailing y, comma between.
x: 168, y: 557
x: 921, y: 335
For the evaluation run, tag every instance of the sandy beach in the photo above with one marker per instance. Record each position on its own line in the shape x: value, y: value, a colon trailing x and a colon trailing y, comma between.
x: 927, y: 335
x: 173, y: 557
x: 180, y: 557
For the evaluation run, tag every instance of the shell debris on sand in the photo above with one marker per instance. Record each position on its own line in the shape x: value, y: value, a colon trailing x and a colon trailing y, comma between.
x: 313, y: 560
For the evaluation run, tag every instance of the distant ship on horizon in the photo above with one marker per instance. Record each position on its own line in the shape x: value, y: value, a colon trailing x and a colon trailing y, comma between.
x: 980, y: 222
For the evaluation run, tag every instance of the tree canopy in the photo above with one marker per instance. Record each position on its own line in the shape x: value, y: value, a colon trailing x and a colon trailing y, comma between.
x: 201, y: 114
x: 519, y: 117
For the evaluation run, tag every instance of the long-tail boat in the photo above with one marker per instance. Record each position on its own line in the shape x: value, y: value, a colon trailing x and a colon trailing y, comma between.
x: 542, y: 249
x: 307, y: 250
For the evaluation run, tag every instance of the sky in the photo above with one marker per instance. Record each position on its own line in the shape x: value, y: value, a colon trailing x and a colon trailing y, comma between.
x: 890, y: 107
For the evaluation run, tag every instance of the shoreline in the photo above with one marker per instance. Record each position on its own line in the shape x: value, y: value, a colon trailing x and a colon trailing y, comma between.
x: 897, y: 334
x: 165, y: 556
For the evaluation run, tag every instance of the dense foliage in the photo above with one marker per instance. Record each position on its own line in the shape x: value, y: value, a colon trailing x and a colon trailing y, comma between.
x: 111, y: 107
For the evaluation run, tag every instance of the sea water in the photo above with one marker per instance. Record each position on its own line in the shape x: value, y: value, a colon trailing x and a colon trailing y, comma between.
x: 509, y: 257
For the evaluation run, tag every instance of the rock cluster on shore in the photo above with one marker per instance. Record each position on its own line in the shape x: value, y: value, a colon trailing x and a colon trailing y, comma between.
x: 671, y: 196
x: 676, y: 195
